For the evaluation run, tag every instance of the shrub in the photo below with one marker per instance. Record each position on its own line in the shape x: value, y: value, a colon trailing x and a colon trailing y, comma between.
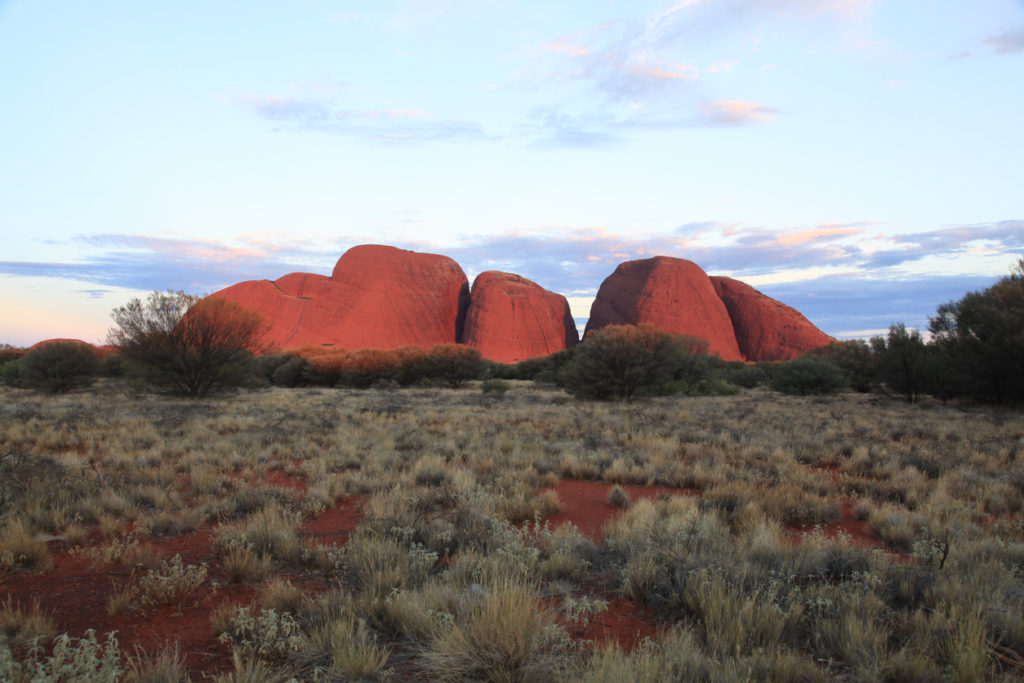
x: 10, y: 373
x: 59, y: 367
x: 167, y: 665
x: 618, y: 497
x: 269, y: 636
x: 495, y: 386
x: 171, y: 583
x: 453, y: 364
x: 349, y: 646
x: 188, y: 345
x: 805, y: 376
x: 743, y: 375
x: 501, y: 636
x: 855, y: 358
x: 20, y: 549
x: 367, y: 367
x: 21, y: 626
x: 284, y: 369
x: 626, y: 361
x: 73, y: 659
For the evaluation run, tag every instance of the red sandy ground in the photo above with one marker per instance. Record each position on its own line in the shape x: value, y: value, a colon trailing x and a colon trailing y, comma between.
x: 76, y: 595
x: 585, y: 504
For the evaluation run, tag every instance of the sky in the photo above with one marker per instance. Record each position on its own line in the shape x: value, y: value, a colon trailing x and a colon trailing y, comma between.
x: 859, y: 160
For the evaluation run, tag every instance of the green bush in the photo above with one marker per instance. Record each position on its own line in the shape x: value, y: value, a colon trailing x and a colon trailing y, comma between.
x: 742, y: 375
x: 855, y: 358
x: 495, y: 386
x: 10, y: 373
x: 284, y: 369
x: 805, y: 376
x: 59, y: 367
x: 453, y: 365
x: 626, y: 361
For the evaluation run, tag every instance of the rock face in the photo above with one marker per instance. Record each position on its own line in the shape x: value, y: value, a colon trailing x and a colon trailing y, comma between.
x: 511, y: 319
x: 767, y: 329
x: 377, y: 297
x: 386, y: 298
x: 671, y: 294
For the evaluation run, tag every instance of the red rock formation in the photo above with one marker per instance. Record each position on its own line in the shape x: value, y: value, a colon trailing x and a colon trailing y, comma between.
x: 670, y: 293
x: 767, y: 329
x: 377, y: 297
x: 511, y: 319
x: 58, y: 340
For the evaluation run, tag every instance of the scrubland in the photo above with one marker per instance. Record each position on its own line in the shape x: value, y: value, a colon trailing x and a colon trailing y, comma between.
x: 334, y: 534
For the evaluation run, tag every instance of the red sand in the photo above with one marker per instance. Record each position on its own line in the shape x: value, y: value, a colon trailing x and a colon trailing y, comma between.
x: 76, y: 596
x: 585, y: 503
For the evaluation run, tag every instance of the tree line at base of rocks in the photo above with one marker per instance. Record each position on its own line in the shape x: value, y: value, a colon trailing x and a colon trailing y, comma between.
x: 185, y: 345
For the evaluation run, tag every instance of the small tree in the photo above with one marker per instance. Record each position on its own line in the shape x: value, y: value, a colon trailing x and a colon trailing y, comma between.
x: 59, y: 367
x: 981, y: 340
x: 904, y: 361
x: 625, y: 361
x: 188, y: 345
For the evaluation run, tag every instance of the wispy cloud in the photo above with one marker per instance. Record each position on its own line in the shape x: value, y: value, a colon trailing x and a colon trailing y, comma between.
x: 736, y: 112
x: 842, y: 276
x: 642, y: 74
x: 326, y: 114
x: 1008, y: 43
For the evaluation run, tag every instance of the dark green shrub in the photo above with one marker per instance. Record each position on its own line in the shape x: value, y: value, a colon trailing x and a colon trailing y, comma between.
x: 10, y: 373
x: 59, y: 367
x: 805, y: 376
x: 495, y: 386
x: 284, y: 369
x: 743, y: 375
x: 453, y: 365
x: 856, y: 359
x: 625, y: 361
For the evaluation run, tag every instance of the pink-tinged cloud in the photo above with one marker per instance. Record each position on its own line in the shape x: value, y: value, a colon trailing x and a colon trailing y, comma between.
x: 671, y: 72
x: 566, y: 46
x: 817, y: 235
x: 1008, y: 43
x: 736, y: 112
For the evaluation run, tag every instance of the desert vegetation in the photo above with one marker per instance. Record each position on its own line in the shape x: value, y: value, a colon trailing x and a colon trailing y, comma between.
x: 460, y: 534
x: 855, y: 514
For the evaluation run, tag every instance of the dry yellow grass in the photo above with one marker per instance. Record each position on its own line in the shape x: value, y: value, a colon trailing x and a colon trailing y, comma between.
x: 449, y: 477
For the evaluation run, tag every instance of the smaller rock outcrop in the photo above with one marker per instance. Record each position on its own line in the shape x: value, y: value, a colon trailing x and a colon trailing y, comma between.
x: 672, y: 294
x: 767, y: 329
x: 511, y: 319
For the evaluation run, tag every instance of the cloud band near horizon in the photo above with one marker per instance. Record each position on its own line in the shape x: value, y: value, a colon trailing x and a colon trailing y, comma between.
x: 843, y: 277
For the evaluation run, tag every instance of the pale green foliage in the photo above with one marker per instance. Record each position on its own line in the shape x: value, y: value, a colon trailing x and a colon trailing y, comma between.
x: 84, y: 660
x: 171, y: 582
x: 270, y: 636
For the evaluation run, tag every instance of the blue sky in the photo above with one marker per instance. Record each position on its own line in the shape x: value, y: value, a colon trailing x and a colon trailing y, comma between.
x: 859, y: 160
